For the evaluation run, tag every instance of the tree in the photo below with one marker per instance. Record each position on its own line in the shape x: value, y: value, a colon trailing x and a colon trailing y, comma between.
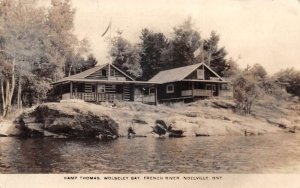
x: 258, y: 71
x: 5, y: 72
x: 249, y: 85
x: 126, y: 56
x: 215, y: 56
x: 35, y: 44
x: 183, y: 45
x: 61, y: 40
x: 152, y: 46
x: 76, y: 58
x: 245, y: 91
x: 231, y: 69
x: 20, y: 44
x: 90, y: 62
x: 291, y: 78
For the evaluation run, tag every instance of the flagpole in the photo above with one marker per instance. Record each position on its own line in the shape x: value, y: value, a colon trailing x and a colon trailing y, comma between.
x: 202, y: 51
x: 109, y: 28
x: 109, y: 63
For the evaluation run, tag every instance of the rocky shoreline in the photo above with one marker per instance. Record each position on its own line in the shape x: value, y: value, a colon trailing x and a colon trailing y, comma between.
x: 107, y: 121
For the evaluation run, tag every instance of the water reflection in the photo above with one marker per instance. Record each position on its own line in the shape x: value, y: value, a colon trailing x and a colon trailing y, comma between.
x: 258, y: 154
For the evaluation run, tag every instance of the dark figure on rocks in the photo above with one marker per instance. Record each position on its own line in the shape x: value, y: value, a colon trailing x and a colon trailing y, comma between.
x: 131, y: 131
x: 174, y: 133
x: 160, y: 127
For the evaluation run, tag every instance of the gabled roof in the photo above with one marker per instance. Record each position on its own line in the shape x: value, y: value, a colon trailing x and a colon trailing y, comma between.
x: 178, y: 74
x: 84, y: 74
x: 126, y: 75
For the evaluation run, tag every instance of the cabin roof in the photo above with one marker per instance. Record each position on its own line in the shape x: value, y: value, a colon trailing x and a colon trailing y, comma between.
x: 85, y: 80
x: 84, y: 74
x: 178, y: 74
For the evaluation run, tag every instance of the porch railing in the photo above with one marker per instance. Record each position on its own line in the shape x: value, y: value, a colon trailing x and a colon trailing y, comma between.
x: 205, y: 93
x: 186, y: 93
x: 144, y: 98
x: 196, y: 92
x: 226, y: 93
x: 202, y: 93
x: 101, y: 97
x: 109, y: 97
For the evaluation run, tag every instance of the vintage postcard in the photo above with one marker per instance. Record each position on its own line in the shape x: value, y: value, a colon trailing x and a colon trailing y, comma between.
x: 147, y: 93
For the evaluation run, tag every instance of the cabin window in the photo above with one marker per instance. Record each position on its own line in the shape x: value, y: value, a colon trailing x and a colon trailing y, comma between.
x: 208, y: 86
x: 151, y: 90
x: 112, y: 72
x: 224, y: 87
x: 170, y: 88
x: 200, y: 74
x: 103, y: 72
x: 101, y: 88
x: 137, y: 92
x: 214, y: 87
x: 93, y: 88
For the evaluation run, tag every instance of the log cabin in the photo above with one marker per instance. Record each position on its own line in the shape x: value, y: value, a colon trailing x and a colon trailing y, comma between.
x: 108, y: 83
x: 189, y: 83
x: 105, y: 83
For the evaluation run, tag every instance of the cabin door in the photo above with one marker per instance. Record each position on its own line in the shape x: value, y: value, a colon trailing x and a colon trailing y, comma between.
x: 214, y: 90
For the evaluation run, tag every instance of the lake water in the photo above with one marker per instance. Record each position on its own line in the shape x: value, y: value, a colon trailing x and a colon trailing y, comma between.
x: 278, y: 153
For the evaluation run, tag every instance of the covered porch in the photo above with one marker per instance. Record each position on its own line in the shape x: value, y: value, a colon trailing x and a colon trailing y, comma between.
x: 197, y: 88
x: 108, y: 91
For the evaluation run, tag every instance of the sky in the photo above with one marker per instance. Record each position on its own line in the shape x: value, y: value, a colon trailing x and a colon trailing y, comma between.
x: 253, y: 31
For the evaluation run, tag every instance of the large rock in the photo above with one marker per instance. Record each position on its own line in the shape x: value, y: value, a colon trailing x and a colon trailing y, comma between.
x: 280, y: 122
x: 66, y: 120
x: 7, y: 128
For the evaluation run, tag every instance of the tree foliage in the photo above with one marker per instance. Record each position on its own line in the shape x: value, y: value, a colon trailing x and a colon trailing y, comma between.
x: 291, y: 78
x: 21, y: 45
x: 231, y: 69
x: 157, y: 52
x: 258, y: 72
x: 245, y: 91
x: 152, y: 46
x: 184, y: 43
x: 35, y: 46
x: 253, y: 83
x: 213, y: 55
x: 126, y: 56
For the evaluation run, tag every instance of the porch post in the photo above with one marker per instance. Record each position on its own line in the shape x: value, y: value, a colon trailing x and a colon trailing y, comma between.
x: 133, y: 91
x: 156, y: 95
x: 123, y: 92
x: 76, y: 96
x: 97, y: 97
x: 71, y: 90
x: 193, y: 87
x: 61, y: 93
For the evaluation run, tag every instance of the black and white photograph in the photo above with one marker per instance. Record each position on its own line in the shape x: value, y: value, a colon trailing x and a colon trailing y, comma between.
x: 149, y: 87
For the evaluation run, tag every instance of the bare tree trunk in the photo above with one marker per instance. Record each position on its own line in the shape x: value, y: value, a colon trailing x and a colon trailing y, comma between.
x: 70, y: 68
x: 250, y: 104
x: 13, y: 83
x: 6, y: 106
x: 38, y: 99
x: 9, y: 91
x: 69, y: 73
x: 3, y: 96
x: 209, y: 58
x: 19, y: 94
